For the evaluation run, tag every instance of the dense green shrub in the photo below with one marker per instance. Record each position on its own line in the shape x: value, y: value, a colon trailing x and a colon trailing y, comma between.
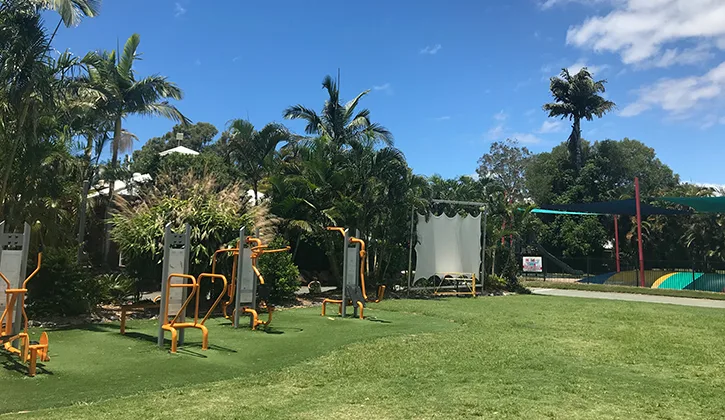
x: 280, y: 272
x: 215, y: 218
x: 63, y: 287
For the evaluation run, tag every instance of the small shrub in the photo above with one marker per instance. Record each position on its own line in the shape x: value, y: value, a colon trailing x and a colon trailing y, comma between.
x: 62, y: 287
x: 280, y: 272
x: 494, y: 282
x: 116, y: 288
x: 511, y: 271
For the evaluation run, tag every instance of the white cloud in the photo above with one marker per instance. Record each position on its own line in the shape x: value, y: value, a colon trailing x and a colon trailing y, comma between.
x: 179, y: 10
x: 679, y: 96
x: 526, y: 138
x: 551, y: 126
x: 235, y: 59
x: 581, y: 63
x: 386, y: 88
x: 495, y: 132
x: 638, y: 30
x: 500, y: 116
x: 675, y: 56
x: 530, y: 112
x: 547, y: 4
x: 443, y: 118
x: 432, y: 50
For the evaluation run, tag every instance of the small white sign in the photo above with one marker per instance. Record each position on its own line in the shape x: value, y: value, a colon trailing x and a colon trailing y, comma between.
x: 532, y: 265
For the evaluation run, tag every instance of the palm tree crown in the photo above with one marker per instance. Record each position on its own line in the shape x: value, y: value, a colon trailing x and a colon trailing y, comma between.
x: 341, y: 124
x: 71, y: 11
x: 576, y: 97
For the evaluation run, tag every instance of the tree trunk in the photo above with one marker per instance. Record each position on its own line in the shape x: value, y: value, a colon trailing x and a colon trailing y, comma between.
x: 13, y: 151
x: 55, y: 31
x: 574, y: 144
x: 111, y: 186
x: 256, y: 194
x: 88, y: 179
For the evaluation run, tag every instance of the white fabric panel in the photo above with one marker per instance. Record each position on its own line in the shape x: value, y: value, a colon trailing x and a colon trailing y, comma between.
x: 448, y: 245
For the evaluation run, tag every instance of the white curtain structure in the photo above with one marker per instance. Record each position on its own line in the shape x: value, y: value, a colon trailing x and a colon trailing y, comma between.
x: 447, y: 245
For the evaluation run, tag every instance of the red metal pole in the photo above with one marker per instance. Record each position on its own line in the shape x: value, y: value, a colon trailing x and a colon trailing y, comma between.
x: 639, y: 232
x: 616, y: 241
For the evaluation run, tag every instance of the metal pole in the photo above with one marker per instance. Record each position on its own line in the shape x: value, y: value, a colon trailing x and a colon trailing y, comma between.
x: 345, y: 249
x: 639, y: 232
x: 163, y: 316
x: 410, y: 250
x: 465, y: 203
x: 238, y: 274
x: 483, y: 248
x: 616, y: 241
x: 82, y: 221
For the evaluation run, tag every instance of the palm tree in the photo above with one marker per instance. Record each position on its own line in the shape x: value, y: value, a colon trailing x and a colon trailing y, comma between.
x: 252, y: 150
x: 577, y: 97
x: 71, y: 11
x: 123, y: 95
x: 338, y: 123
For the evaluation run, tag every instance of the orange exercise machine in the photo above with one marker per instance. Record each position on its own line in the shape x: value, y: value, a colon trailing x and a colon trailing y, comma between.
x: 247, y: 290
x: 353, y: 268
x: 178, y: 289
x: 14, y: 320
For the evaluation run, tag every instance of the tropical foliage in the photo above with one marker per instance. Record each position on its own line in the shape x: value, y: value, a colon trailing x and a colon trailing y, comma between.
x: 577, y: 97
x: 63, y: 137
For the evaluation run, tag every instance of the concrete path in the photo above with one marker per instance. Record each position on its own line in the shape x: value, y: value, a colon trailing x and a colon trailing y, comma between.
x: 703, y: 303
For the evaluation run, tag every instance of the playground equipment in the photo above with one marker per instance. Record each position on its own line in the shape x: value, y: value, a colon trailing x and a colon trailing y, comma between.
x: 178, y: 289
x: 352, y: 293
x: 247, y: 291
x: 448, y: 251
x: 14, y: 321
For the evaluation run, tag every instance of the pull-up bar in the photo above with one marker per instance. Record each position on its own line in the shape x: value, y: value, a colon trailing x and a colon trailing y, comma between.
x: 463, y: 203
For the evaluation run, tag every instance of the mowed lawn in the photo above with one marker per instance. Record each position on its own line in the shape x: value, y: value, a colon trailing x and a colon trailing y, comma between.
x: 497, y: 357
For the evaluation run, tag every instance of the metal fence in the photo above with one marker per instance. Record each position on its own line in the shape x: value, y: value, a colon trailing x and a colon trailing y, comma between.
x: 663, y: 274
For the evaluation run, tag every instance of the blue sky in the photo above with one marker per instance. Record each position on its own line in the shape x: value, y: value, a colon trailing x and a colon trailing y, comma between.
x: 447, y: 78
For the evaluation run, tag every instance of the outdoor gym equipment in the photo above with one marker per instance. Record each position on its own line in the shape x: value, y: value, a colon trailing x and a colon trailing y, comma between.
x: 14, y: 321
x: 248, y: 290
x: 352, y: 293
x: 178, y: 289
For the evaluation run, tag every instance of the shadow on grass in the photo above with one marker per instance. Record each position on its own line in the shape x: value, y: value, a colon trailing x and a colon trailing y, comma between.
x: 13, y: 363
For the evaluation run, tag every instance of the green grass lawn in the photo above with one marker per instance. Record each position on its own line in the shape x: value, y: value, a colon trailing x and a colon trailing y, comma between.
x: 625, y: 289
x: 501, y: 357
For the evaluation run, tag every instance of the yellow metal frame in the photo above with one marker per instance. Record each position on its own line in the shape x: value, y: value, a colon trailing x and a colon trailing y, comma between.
x: 173, y: 326
x: 472, y: 290
x: 362, y: 254
x: 257, y: 249
x: 28, y: 353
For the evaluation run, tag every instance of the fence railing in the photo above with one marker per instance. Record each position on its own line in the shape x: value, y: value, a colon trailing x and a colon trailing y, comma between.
x: 664, y: 274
